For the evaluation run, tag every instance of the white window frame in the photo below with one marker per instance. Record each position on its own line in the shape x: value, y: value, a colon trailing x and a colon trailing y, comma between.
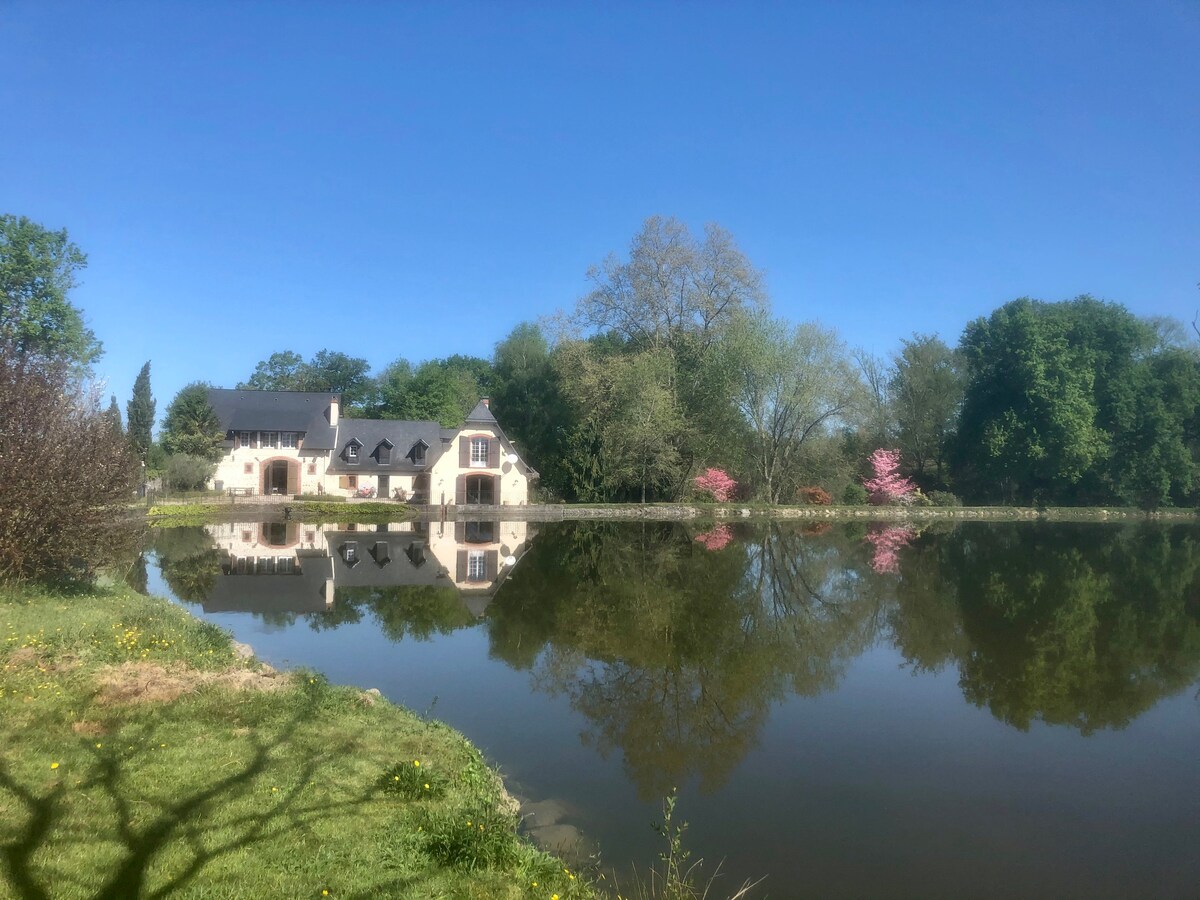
x: 352, y: 452
x: 270, y: 439
x: 244, y: 438
x: 479, y: 452
x: 476, y: 565
x: 287, y: 440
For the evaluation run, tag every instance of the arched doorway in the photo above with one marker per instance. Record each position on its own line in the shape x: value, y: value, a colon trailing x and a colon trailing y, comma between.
x: 281, y: 476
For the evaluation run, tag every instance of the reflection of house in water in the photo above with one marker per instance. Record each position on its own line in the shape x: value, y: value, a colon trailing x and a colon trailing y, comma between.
x: 292, y: 567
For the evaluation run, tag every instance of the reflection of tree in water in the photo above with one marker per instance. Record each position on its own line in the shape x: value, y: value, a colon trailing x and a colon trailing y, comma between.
x: 673, y: 652
x: 1087, y: 626
x: 413, y: 611
x: 189, y: 562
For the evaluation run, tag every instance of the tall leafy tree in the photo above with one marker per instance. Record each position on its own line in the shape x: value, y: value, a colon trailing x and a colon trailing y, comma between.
x: 1045, y: 383
x: 527, y: 397
x: 139, y: 413
x: 926, y: 389
x: 441, y: 390
x: 37, y: 273
x: 113, y: 413
x: 794, y: 385
x: 191, y: 426
x: 282, y: 371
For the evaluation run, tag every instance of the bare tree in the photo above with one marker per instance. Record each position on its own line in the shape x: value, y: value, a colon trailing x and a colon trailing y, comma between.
x: 672, y: 288
x: 63, y: 471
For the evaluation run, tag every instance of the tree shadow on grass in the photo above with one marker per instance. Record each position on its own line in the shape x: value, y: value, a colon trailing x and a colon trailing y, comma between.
x: 182, y: 821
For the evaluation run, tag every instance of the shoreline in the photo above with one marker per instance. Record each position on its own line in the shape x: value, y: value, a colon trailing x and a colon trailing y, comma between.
x: 202, y: 511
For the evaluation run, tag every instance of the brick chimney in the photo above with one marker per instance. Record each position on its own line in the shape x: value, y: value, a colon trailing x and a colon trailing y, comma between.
x: 486, y: 401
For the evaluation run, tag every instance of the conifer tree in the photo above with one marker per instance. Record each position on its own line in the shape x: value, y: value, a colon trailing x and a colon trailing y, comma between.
x: 139, y: 413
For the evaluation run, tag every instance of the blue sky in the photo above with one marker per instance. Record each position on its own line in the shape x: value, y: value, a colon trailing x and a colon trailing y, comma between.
x: 414, y: 179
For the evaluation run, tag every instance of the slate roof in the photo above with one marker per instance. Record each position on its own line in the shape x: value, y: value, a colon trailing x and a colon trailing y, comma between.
x: 301, y: 592
x: 370, y: 433
x: 305, y: 411
x: 481, y: 415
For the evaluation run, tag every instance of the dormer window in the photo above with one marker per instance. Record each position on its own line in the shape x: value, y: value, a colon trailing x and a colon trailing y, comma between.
x: 417, y: 453
x: 352, y: 448
x: 383, y: 453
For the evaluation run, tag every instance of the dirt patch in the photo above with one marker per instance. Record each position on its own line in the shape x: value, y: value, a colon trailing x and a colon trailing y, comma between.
x: 89, y: 729
x: 142, y: 682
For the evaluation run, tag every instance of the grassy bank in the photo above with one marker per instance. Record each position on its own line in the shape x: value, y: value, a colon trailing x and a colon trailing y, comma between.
x: 217, y: 510
x: 139, y: 755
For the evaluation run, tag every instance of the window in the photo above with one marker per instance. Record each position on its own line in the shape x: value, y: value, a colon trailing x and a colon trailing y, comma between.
x: 286, y: 565
x: 244, y: 438
x: 350, y: 552
x: 352, y: 482
x: 310, y: 536
x: 479, y: 532
x: 246, y: 536
x: 479, y: 451
x: 312, y: 468
x: 352, y: 452
x: 477, y: 565
x: 287, y: 439
x: 383, y: 453
x: 248, y: 468
x: 417, y: 454
x: 270, y: 439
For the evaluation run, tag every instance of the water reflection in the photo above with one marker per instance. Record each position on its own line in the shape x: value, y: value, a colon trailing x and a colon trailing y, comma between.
x: 673, y: 643
x: 415, y: 577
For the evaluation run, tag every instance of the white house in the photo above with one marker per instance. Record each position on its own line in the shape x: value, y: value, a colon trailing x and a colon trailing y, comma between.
x: 296, y: 442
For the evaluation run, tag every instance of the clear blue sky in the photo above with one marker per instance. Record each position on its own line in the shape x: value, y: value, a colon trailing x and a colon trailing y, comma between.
x: 414, y: 179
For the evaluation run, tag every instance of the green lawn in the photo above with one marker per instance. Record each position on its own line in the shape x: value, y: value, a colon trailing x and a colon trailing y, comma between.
x: 139, y: 757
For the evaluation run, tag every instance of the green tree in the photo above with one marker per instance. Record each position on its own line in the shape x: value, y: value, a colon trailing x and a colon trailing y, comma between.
x: 439, y: 390
x: 114, y: 416
x: 794, y: 385
x: 37, y: 274
x: 191, y: 425
x: 927, y: 391
x: 1045, y: 384
x: 139, y: 413
x: 283, y: 371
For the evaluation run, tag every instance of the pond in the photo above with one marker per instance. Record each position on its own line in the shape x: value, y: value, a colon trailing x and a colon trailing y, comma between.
x: 979, y: 709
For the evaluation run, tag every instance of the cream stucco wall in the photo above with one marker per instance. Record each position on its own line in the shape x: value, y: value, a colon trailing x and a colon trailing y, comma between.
x: 514, y: 477
x: 231, y: 470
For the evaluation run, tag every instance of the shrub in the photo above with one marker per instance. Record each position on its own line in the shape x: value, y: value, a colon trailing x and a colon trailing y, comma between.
x: 321, y: 498
x: 188, y: 473
x: 62, y: 469
x: 413, y: 780
x: 943, y: 498
x: 855, y: 495
x: 888, y: 486
x: 716, y: 482
x: 814, y: 496
x: 472, y: 839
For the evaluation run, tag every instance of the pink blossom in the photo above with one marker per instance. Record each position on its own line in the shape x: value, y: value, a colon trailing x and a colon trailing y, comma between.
x: 717, y: 483
x: 887, y: 541
x: 888, y: 486
x: 716, y: 539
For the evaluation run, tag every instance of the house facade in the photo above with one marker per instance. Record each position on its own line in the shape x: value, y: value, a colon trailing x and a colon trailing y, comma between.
x: 297, y: 442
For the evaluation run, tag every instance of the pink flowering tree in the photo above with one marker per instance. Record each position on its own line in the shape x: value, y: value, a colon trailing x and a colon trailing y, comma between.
x: 888, y: 486
x: 716, y: 482
x: 887, y: 541
x: 716, y: 539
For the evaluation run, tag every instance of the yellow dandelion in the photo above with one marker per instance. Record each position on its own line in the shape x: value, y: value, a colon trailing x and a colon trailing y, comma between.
x: 54, y: 765
x: 427, y: 787
x: 417, y: 763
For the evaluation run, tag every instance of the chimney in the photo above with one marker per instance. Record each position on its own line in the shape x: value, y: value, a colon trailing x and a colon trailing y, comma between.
x: 486, y: 401
x: 333, y: 410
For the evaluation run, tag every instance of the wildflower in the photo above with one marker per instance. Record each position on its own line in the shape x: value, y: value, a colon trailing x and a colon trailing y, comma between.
x: 417, y: 763
x: 54, y: 765
x: 426, y: 787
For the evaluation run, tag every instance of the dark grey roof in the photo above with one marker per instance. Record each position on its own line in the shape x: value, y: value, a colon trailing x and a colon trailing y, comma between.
x: 384, y: 559
x: 306, y: 411
x: 481, y: 415
x: 300, y: 592
x: 403, y: 435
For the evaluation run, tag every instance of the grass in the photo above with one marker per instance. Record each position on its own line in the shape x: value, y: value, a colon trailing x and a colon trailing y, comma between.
x: 310, y: 511
x: 139, y: 756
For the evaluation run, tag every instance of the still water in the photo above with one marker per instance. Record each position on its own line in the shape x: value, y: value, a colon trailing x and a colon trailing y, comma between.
x: 972, y: 710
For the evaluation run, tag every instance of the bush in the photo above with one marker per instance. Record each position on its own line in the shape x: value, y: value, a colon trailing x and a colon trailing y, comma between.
x: 855, y: 495
x: 62, y: 469
x: 943, y: 498
x: 814, y: 496
x: 188, y: 473
x: 320, y: 498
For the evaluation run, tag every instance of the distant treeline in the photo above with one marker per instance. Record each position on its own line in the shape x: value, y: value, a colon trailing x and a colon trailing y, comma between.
x: 672, y: 363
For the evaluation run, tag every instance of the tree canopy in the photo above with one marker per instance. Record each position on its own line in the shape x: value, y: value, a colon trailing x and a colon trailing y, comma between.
x: 37, y: 274
x: 191, y: 426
